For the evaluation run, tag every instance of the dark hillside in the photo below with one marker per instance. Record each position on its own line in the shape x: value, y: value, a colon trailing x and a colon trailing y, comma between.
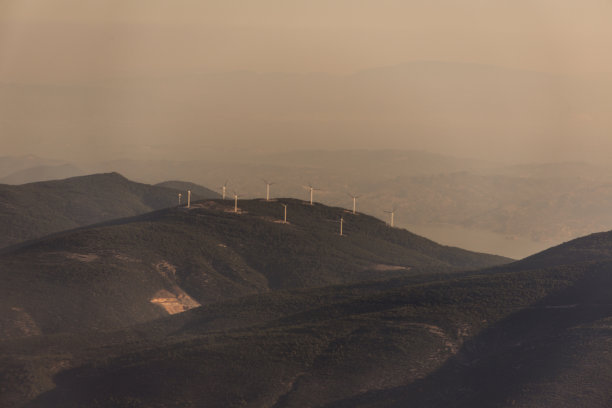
x: 525, y: 334
x: 34, y: 210
x: 594, y: 247
x: 136, y: 269
x: 554, y: 353
x: 536, y: 338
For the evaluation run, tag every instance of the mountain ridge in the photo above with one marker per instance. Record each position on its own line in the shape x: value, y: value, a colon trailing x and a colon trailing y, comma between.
x: 205, y: 254
x: 36, y: 209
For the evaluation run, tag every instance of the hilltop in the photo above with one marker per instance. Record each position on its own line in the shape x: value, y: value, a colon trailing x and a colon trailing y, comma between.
x: 34, y: 210
x: 136, y: 269
x: 527, y: 337
x: 591, y: 248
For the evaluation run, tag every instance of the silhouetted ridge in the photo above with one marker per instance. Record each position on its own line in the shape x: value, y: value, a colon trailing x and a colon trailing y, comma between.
x: 33, y: 210
x: 591, y: 248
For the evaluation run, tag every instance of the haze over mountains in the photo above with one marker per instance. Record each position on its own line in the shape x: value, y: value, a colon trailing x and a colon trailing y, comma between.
x: 42, y: 173
x: 445, y: 107
x: 246, y: 125
x: 512, y: 210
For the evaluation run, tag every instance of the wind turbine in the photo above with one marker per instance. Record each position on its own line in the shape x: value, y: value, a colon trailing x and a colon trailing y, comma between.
x: 180, y: 195
x: 235, y: 202
x: 285, y: 218
x: 354, y: 197
x: 223, y: 188
x: 392, y: 212
x: 312, y: 190
x: 341, y: 224
x: 188, y: 198
x: 268, y: 184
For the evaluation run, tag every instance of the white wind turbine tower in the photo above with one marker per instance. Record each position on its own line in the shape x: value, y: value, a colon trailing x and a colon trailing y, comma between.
x: 392, y: 212
x: 223, y: 189
x: 180, y: 196
x: 341, y: 224
x: 285, y: 218
x: 354, y: 197
x: 312, y: 190
x: 188, y: 198
x: 268, y: 184
x: 235, y: 202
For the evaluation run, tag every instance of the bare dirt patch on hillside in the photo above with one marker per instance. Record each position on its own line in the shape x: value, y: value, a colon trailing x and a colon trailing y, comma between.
x: 82, y: 257
x: 386, y: 267
x: 174, y: 303
x: 18, y: 323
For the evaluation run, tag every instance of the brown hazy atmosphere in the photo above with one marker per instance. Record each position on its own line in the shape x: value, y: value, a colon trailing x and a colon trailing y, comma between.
x: 212, y: 82
x: 520, y: 81
x: 305, y: 203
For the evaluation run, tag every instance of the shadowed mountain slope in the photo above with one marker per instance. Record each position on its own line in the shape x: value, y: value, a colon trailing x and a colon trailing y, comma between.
x: 33, y: 210
x: 532, y: 338
x: 594, y: 247
x: 137, y: 269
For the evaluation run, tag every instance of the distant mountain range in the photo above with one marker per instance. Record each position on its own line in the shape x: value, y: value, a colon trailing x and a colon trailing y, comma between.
x: 514, y: 210
x: 15, y: 164
x: 33, y: 210
x: 42, y: 173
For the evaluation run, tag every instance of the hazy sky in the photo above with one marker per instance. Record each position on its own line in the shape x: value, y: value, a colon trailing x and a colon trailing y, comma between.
x: 148, y: 37
x: 108, y: 78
